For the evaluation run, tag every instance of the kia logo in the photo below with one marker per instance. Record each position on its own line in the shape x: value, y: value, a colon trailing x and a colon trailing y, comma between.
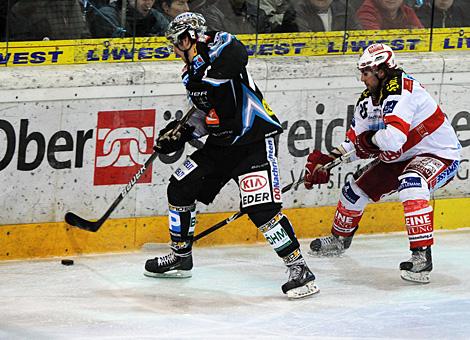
x: 253, y: 183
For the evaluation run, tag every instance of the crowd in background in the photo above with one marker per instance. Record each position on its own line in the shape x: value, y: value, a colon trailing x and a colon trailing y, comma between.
x: 22, y: 20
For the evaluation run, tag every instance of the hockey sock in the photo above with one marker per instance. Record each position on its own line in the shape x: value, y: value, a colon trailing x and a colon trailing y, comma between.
x: 346, y: 221
x: 294, y: 258
x: 182, y: 222
x: 419, y: 223
x: 280, y: 235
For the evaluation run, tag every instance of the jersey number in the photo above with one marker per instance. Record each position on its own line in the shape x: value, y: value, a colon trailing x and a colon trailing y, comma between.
x: 363, y: 110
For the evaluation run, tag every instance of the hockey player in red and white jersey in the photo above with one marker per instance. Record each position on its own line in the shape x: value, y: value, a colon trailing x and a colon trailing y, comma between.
x: 414, y: 149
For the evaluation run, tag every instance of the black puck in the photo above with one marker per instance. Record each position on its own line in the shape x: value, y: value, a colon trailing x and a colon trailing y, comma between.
x: 66, y: 262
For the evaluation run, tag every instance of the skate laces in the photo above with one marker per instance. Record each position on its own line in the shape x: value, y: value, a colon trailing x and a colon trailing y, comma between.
x: 418, y: 257
x: 328, y: 240
x: 418, y: 260
x: 331, y: 241
x: 167, y: 259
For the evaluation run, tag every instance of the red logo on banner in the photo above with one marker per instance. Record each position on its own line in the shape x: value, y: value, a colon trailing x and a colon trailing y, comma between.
x: 124, y: 141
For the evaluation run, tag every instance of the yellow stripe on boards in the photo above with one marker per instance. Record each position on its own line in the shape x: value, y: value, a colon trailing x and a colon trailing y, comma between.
x: 118, y: 235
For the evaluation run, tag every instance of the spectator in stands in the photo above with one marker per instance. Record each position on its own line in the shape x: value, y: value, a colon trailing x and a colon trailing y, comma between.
x: 171, y: 8
x: 387, y: 14
x: 274, y: 9
x: 47, y: 20
x: 3, y: 20
x: 198, y: 6
x: 95, y: 3
x: 236, y: 16
x: 320, y: 15
x: 447, y: 13
x: 141, y: 19
x: 355, y: 4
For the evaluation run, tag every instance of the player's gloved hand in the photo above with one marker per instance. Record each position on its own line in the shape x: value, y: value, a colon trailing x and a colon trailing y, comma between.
x: 171, y: 138
x: 314, y: 174
x: 365, y: 148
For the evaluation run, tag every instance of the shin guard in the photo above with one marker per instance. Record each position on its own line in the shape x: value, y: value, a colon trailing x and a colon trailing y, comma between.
x: 346, y: 221
x: 280, y: 235
x: 182, y: 222
x: 419, y: 223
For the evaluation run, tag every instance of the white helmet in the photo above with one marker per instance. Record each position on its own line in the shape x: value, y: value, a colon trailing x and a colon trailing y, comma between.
x: 375, y: 55
x: 192, y: 24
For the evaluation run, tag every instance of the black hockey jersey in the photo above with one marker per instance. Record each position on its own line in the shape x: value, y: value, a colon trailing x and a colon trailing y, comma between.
x: 218, y: 84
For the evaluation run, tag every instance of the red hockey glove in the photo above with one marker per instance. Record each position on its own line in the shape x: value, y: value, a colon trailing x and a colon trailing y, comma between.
x: 313, y: 172
x: 364, y: 146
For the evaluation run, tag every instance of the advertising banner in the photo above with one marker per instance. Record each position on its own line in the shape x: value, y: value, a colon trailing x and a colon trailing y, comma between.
x: 68, y: 147
x: 119, y: 50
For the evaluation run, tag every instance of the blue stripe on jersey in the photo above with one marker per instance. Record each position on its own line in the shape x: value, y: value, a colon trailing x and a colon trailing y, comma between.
x: 215, y: 82
x: 186, y: 79
x: 252, y: 107
x: 376, y: 126
x: 223, y: 39
x: 408, y: 76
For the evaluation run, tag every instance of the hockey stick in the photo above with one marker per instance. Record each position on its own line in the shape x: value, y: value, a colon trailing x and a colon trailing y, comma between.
x: 93, y: 226
x: 334, y: 163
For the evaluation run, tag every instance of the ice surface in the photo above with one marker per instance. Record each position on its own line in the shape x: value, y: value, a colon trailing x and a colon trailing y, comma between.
x: 235, y: 293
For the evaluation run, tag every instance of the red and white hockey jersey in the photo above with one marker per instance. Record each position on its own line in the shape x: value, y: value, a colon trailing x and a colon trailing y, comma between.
x: 408, y: 122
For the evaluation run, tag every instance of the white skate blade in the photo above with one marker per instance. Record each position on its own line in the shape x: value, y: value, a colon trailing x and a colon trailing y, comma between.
x: 300, y: 292
x: 172, y: 274
x: 422, y: 277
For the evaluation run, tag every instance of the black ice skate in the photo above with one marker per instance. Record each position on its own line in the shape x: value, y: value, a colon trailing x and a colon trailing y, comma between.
x: 301, y: 282
x: 418, y: 267
x: 331, y: 245
x: 172, y: 265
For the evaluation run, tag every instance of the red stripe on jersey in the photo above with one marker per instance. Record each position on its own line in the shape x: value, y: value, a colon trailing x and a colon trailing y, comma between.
x: 397, y: 123
x: 427, y: 127
x: 408, y: 84
x: 351, y: 135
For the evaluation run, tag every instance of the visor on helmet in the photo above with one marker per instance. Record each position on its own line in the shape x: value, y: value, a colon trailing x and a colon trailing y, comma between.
x: 188, y: 23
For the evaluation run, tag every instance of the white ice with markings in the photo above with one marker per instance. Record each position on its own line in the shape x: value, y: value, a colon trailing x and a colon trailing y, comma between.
x: 235, y: 293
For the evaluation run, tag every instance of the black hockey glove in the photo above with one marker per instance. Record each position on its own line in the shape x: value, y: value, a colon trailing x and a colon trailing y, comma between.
x: 365, y: 148
x: 169, y: 140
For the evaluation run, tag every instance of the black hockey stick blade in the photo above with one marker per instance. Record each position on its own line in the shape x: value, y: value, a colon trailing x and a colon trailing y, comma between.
x: 77, y: 221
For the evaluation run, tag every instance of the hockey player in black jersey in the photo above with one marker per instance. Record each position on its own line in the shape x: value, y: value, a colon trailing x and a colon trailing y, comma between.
x: 240, y: 145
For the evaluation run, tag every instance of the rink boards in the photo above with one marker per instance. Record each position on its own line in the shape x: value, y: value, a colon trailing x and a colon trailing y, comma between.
x: 128, y: 234
x: 72, y: 136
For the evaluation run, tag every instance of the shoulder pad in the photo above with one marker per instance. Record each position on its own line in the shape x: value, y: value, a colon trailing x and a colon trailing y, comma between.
x: 391, y: 86
x: 365, y: 94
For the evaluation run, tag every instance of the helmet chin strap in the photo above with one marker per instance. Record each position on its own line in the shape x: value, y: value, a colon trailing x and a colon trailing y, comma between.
x: 186, y: 52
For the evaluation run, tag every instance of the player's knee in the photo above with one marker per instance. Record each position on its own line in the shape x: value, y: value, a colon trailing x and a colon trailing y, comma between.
x: 352, y: 197
x: 261, y: 217
x: 412, y: 186
x: 180, y: 193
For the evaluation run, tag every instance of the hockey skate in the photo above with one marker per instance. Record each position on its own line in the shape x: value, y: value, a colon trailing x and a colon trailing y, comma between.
x: 418, y: 267
x: 172, y: 265
x: 301, y: 282
x: 331, y: 245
